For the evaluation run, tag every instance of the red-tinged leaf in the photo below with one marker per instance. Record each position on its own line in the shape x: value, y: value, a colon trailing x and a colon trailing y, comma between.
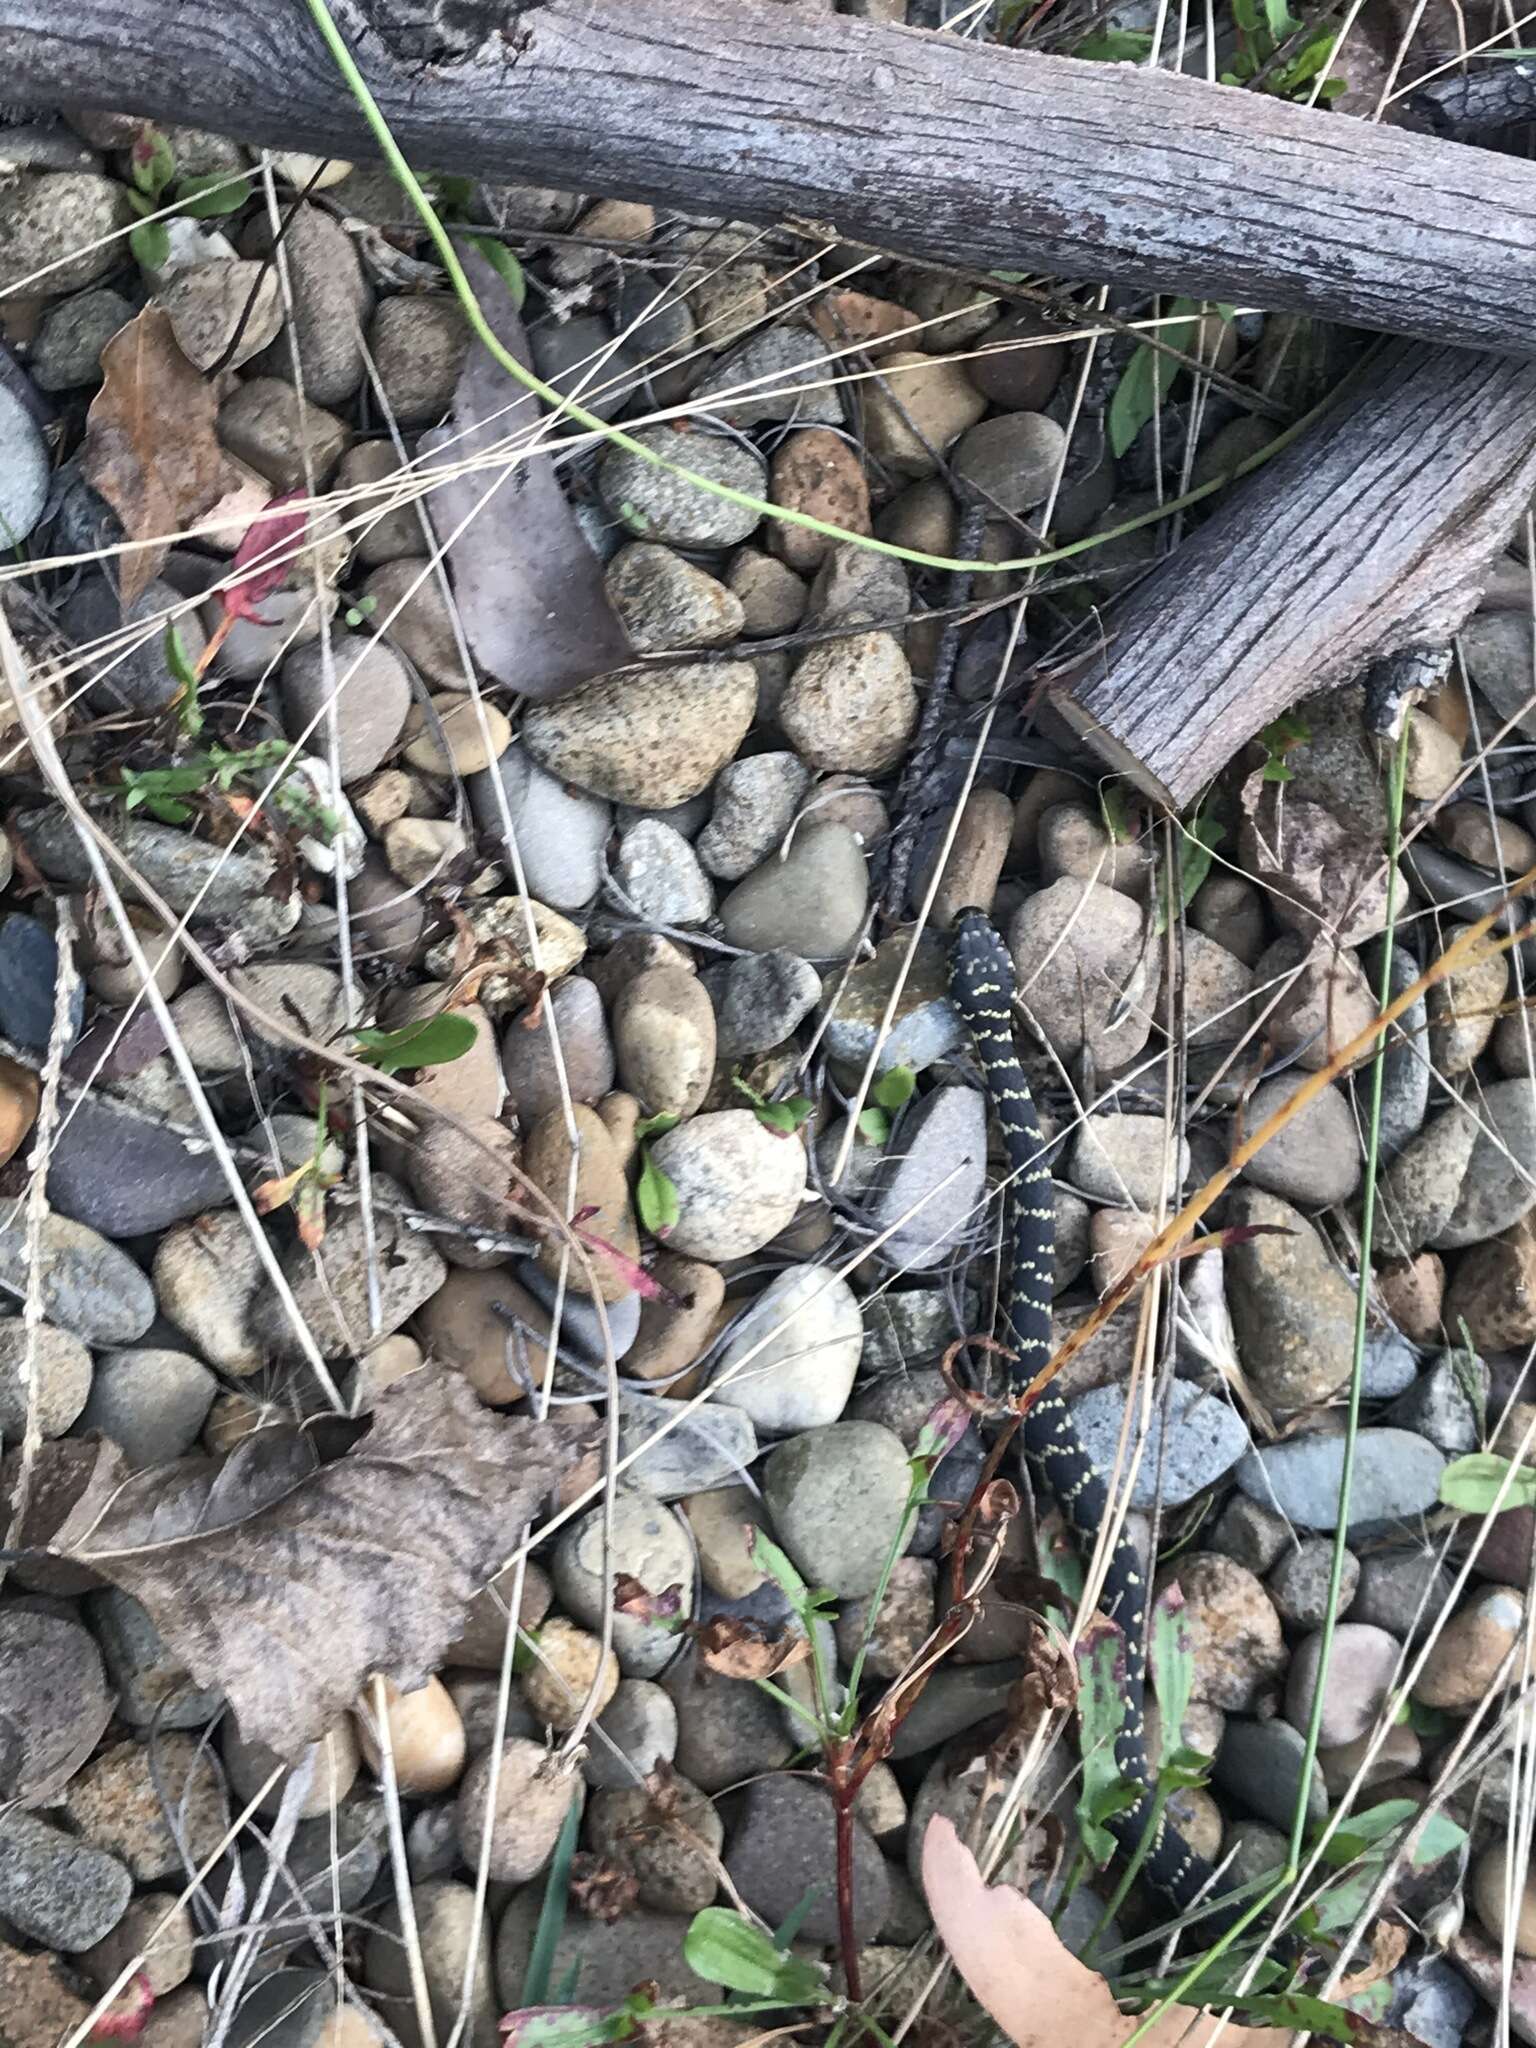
x: 264, y: 559
x: 128, y: 2014
x: 645, y: 1284
x: 150, y: 448
x: 631, y: 1596
x: 942, y: 1428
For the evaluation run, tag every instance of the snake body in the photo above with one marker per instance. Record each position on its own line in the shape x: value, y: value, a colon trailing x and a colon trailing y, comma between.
x: 982, y: 986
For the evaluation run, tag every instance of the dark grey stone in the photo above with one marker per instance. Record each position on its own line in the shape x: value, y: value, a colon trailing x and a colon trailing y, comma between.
x: 58, y: 1890
x: 1396, y: 1476
x: 29, y: 968
x: 125, y: 1174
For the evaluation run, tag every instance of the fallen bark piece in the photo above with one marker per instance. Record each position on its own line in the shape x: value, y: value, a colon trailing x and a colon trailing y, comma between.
x: 932, y: 145
x: 1373, y: 532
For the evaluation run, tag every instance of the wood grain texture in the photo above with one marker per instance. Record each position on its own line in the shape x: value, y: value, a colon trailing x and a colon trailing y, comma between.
x: 1371, y: 533
x: 934, y: 146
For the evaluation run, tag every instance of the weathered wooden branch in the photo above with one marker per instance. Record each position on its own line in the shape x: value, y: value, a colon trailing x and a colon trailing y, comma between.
x: 935, y: 146
x: 1371, y: 533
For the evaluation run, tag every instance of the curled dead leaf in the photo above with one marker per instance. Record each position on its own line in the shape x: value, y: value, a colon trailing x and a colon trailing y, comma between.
x: 1030, y: 1982
x: 632, y: 1597
x: 740, y: 1649
x: 150, y: 448
x: 602, y: 1890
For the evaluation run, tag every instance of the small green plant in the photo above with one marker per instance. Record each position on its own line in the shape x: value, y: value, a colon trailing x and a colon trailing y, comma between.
x: 1198, y: 841
x: 205, y: 195
x: 160, y: 790
x: 890, y: 1092
x: 364, y: 608
x: 189, y: 712
x: 1116, y: 46
x: 655, y: 1191
x: 1263, y: 28
x: 434, y: 1042
x: 455, y: 198
x: 306, y: 1187
x: 784, y: 1118
x: 1277, y: 739
x: 1148, y: 376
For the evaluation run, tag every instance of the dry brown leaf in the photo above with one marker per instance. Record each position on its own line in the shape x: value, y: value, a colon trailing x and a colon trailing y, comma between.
x: 1389, y: 1944
x: 740, y: 1649
x: 287, y: 1582
x: 1033, y: 1986
x: 150, y: 448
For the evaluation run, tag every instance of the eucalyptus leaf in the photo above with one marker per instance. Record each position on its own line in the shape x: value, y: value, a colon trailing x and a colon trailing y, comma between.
x: 434, y: 1042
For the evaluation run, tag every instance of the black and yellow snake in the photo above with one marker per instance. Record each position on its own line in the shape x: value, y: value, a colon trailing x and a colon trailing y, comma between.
x: 982, y: 985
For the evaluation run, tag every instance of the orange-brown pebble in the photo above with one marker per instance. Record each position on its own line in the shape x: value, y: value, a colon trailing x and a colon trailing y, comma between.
x: 426, y: 1737
x: 567, y: 1664
x: 18, y: 1106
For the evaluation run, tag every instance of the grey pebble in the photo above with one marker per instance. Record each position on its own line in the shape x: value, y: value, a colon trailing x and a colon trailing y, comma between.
x: 73, y: 333
x: 1259, y: 1763
x: 288, y: 2009
x: 659, y: 875
x: 955, y: 1698
x: 152, y: 1685
x: 1252, y: 1849
x: 24, y: 470
x: 1390, y: 1365
x: 812, y: 901
x: 55, y: 1889
x: 183, y: 870
x: 1299, y: 1583
x: 90, y: 1287
x: 783, y: 373
x: 1405, y: 1071
x: 1500, y: 1182
x: 935, y: 1166
x: 1396, y: 1476
x: 836, y: 1496
x: 1194, y: 1437
x: 655, y: 504
x: 151, y: 1403
x: 560, y: 831
x: 29, y: 970
x: 125, y: 1174
x: 580, y: 1331
x: 1448, y: 1403
x: 727, y: 1731
x: 713, y: 1447
x: 1251, y: 1534
x: 586, y: 1050
x: 782, y: 1847
x: 1403, y: 1590
x: 641, y: 1722
x: 1432, y: 2001
x: 764, y: 997
x: 755, y: 800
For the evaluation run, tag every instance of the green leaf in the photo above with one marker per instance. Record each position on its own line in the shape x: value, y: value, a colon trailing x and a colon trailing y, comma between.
x: 874, y: 1125
x: 1116, y: 46
x: 768, y: 1557
x: 1100, y: 1652
x: 189, y: 715
x: 505, y: 265
x: 140, y: 202
x: 1427, y: 1721
x: 1197, y: 847
x: 1471, y: 1484
x: 1297, y: 2011
x: 894, y: 1087
x: 150, y: 242
x: 656, y: 1126
x: 1279, y: 20
x: 551, y: 1922
x: 656, y: 1201
x: 1147, y: 378
x: 724, y: 1948
x: 152, y: 161
x: 209, y: 195
x: 1225, y: 309
x: 1277, y: 739
x: 434, y: 1042
x: 784, y: 1117
x: 1171, y: 1653
x: 1116, y: 813
x: 165, y: 810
